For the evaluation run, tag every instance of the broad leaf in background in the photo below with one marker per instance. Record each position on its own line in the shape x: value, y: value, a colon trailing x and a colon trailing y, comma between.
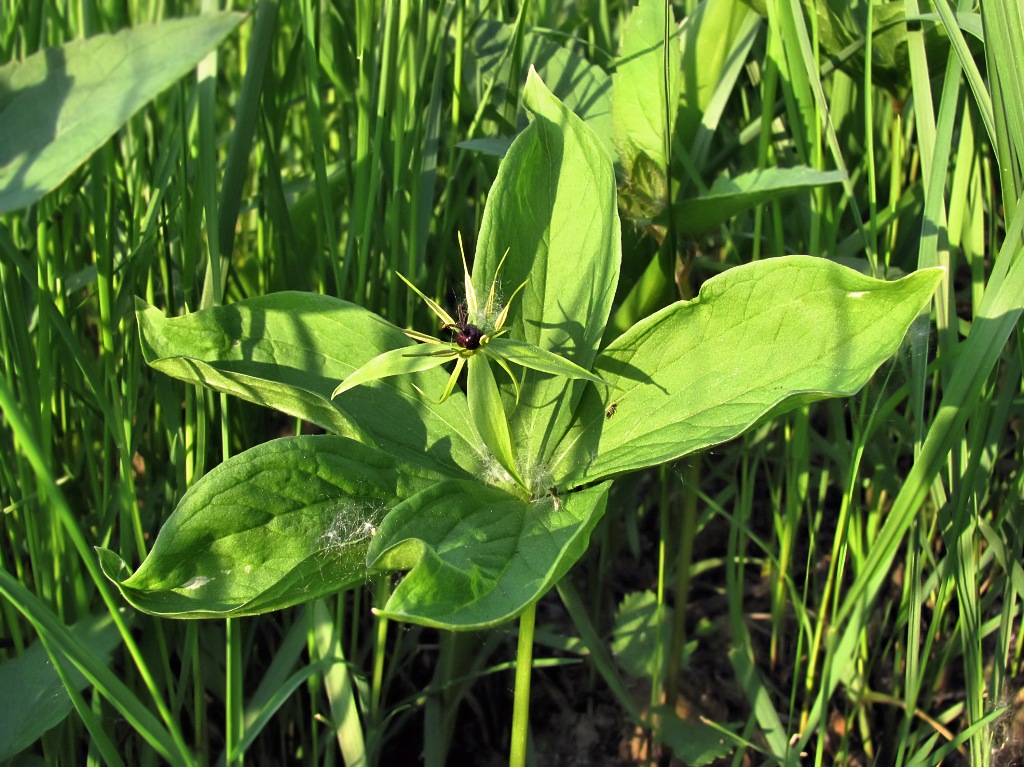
x: 640, y: 634
x: 280, y: 524
x: 36, y: 698
x: 552, y: 208
x: 694, y: 741
x: 58, y: 106
x: 478, y: 556
x: 758, y: 340
x: 696, y: 216
x: 704, y: 48
x: 708, y: 41
x: 289, y: 350
x: 644, y: 105
x: 729, y: 196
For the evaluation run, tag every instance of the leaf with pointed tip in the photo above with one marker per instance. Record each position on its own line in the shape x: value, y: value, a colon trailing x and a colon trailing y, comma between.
x: 643, y: 103
x: 435, y: 307
x: 290, y: 350
x: 759, y: 339
x: 552, y: 207
x: 582, y: 86
x: 477, y: 556
x: 280, y: 524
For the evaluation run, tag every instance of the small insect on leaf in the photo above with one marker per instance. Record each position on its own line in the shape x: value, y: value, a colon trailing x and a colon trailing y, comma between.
x: 611, y: 410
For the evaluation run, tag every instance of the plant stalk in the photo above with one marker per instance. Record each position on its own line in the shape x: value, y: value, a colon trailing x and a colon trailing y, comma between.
x: 521, y: 705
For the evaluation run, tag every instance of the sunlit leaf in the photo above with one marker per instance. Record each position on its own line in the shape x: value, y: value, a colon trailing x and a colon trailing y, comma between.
x: 290, y: 350
x: 758, y: 339
x: 643, y: 102
x: 581, y: 85
x: 396, y: 362
x: 552, y: 207
x: 478, y: 556
x: 730, y: 196
x: 535, y: 358
x: 58, y: 106
x: 280, y: 524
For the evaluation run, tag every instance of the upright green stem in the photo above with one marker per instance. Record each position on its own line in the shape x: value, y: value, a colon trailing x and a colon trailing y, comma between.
x: 383, y: 591
x: 521, y: 706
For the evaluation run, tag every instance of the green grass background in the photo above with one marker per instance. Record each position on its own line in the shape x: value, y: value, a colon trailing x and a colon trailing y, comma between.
x: 856, y: 565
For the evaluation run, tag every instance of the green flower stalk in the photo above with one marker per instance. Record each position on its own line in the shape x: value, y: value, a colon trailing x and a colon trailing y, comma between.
x: 478, y: 340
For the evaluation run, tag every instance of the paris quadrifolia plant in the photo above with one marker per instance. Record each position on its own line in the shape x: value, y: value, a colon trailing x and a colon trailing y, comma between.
x: 486, y: 498
x: 477, y: 342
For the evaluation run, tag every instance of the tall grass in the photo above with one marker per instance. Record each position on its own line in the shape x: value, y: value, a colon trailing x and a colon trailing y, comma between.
x: 846, y: 580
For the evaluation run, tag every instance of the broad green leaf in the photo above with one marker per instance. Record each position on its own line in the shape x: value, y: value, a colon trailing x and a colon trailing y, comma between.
x: 489, y: 414
x: 697, y: 216
x: 91, y: 661
x: 42, y: 702
x: 644, y: 102
x: 730, y: 196
x: 478, y: 556
x: 707, y: 39
x: 59, y: 105
x: 290, y: 350
x: 277, y: 525
x: 757, y: 340
x: 553, y: 207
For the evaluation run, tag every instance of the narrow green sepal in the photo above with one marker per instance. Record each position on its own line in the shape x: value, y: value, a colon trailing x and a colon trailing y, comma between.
x: 434, y: 306
x: 453, y: 379
x: 504, y: 366
x: 415, y: 335
x: 542, y: 360
x: 488, y: 414
x: 500, y: 322
x: 392, y: 363
x: 472, y: 307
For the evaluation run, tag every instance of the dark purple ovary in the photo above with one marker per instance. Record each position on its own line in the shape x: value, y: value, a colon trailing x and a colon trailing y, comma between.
x: 468, y: 336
